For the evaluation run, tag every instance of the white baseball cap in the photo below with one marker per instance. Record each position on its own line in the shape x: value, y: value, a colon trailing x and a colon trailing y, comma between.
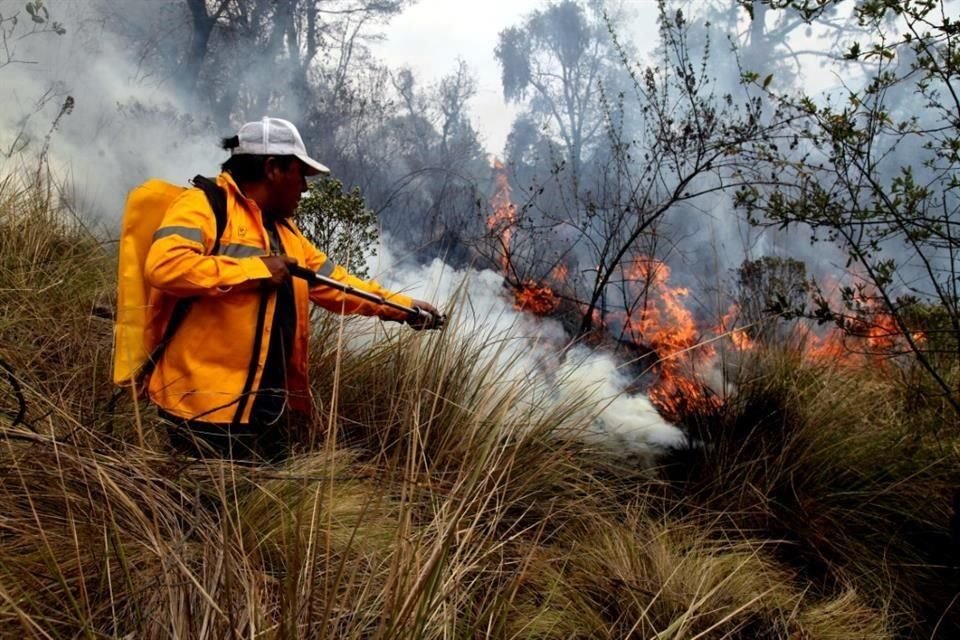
x: 275, y: 137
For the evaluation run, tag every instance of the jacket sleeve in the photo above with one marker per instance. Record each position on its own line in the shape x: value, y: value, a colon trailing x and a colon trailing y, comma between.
x: 176, y: 262
x: 340, y: 302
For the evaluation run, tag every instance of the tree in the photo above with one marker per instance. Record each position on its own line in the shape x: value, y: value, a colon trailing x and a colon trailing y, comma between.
x: 426, y: 160
x: 556, y: 62
x: 876, y: 173
x: 14, y: 27
x: 242, y: 57
x: 606, y: 234
x: 339, y: 224
x: 410, y: 149
x: 769, y: 287
x: 765, y: 40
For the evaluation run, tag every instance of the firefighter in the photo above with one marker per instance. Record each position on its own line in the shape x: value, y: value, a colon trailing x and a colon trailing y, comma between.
x: 234, y: 374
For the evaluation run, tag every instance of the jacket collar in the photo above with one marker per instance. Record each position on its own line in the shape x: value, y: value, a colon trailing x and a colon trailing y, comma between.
x: 226, y: 181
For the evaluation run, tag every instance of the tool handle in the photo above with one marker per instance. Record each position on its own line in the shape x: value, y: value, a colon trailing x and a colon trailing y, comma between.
x: 412, y: 312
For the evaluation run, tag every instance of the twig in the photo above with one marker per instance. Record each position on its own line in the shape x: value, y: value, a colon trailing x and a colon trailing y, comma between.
x: 17, y: 391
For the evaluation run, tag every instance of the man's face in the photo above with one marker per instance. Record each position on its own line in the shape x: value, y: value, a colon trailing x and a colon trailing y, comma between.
x: 287, y: 184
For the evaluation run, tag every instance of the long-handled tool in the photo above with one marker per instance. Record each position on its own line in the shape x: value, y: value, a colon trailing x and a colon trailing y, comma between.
x: 415, y: 315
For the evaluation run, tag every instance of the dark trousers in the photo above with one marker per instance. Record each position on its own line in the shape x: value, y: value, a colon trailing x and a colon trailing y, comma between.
x: 245, y: 442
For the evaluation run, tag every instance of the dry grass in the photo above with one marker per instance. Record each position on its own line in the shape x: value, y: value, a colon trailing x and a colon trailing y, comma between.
x: 433, y: 499
x: 828, y: 461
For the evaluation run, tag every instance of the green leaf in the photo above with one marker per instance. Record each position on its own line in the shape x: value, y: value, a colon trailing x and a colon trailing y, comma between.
x: 853, y: 53
x: 767, y: 80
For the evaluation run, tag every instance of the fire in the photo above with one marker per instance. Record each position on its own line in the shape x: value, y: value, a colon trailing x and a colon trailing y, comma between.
x: 738, y: 336
x: 660, y: 321
x: 663, y: 321
x: 678, y: 395
x: 741, y: 340
x: 559, y: 273
x: 531, y: 296
x: 829, y: 347
x: 665, y: 324
x: 504, y: 215
x: 872, y: 335
x: 535, y: 299
x: 882, y: 333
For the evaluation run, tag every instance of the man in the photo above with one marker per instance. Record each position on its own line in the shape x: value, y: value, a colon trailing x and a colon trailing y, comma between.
x: 236, y: 367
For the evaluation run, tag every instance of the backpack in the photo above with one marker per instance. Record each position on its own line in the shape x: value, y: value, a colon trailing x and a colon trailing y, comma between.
x: 145, y: 321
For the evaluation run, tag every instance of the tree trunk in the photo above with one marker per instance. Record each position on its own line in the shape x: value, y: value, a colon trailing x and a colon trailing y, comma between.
x: 203, y: 24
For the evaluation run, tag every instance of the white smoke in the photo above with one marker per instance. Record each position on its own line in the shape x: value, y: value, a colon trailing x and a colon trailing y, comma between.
x: 123, y: 128
x: 537, y: 351
x: 627, y: 422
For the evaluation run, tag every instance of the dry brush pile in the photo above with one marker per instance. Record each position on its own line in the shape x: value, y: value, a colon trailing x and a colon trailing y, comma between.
x: 431, y: 499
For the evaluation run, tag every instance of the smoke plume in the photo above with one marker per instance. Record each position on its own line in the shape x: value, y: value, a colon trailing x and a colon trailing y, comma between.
x: 537, y: 350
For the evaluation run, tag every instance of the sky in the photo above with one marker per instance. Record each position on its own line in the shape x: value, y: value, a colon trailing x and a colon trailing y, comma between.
x: 429, y: 37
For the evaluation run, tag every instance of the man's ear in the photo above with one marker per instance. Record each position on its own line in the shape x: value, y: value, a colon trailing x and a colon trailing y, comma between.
x: 270, y: 167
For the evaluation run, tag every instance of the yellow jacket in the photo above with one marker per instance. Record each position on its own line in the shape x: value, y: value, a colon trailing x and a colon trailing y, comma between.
x: 205, y: 371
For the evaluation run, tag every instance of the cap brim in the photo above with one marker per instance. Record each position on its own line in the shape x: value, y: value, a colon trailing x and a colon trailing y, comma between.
x: 314, y: 168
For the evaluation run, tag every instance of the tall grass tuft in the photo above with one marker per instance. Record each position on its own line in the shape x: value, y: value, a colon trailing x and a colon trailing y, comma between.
x: 828, y: 463
x: 55, y: 284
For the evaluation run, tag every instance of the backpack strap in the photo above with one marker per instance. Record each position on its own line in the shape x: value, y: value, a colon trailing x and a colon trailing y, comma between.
x: 217, y: 198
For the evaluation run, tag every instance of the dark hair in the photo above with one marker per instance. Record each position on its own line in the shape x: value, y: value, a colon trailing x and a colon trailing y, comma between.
x: 246, y: 167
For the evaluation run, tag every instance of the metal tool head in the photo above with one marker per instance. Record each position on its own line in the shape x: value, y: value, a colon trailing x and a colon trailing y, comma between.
x: 423, y: 319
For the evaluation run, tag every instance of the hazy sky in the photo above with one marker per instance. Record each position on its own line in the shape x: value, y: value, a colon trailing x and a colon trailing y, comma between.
x: 432, y: 34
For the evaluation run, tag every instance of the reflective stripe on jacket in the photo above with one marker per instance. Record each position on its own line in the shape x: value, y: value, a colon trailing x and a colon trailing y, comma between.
x: 204, y: 369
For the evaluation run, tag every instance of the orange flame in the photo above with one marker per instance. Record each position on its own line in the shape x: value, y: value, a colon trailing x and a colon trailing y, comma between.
x: 559, y: 273
x: 872, y: 334
x: 664, y: 323
x: 535, y: 299
x: 829, y: 347
x: 504, y: 215
x: 739, y: 336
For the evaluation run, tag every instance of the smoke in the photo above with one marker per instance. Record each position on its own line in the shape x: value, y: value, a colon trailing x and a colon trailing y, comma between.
x: 627, y: 422
x: 123, y: 127
x: 536, y: 350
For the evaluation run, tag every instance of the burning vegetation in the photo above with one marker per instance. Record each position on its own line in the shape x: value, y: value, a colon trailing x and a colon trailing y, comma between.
x: 535, y: 299
x: 504, y: 217
x: 675, y: 350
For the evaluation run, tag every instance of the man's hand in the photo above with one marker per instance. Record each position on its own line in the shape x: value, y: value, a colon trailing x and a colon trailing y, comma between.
x: 279, y: 268
x: 426, y: 317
